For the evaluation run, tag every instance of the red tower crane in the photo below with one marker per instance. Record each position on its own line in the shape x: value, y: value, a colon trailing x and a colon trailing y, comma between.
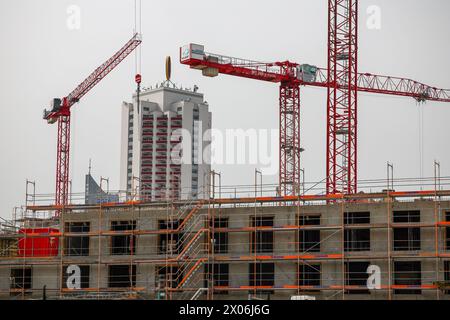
x: 293, y: 75
x: 60, y: 113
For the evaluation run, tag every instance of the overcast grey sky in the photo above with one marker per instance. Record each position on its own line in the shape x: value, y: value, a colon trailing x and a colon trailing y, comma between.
x: 42, y: 58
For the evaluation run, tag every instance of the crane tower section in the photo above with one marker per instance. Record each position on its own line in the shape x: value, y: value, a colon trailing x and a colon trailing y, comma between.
x: 342, y: 101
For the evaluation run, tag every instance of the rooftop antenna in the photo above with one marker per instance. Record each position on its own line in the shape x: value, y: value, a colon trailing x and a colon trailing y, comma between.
x: 168, y: 68
x: 90, y: 166
x: 169, y: 82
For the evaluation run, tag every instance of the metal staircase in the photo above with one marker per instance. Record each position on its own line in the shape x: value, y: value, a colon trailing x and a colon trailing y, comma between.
x: 192, y: 250
x: 198, y: 293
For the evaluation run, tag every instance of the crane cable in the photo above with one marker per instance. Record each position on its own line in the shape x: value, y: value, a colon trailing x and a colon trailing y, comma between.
x: 137, y: 56
x: 137, y: 29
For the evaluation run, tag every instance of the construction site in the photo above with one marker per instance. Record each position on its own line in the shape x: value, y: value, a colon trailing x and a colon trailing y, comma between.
x: 174, y: 232
x: 258, y: 247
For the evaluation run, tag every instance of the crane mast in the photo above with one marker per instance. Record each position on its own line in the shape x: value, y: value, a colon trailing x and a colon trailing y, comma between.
x: 60, y: 113
x: 342, y: 99
x: 290, y: 149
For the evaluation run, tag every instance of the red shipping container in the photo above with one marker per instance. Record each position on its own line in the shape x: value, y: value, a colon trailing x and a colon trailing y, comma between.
x: 38, y: 242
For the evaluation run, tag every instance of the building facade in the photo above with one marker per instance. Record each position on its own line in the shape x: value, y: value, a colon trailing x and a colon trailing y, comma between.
x: 275, y: 250
x: 164, y: 145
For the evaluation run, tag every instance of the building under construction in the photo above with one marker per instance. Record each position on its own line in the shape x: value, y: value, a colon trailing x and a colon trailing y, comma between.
x: 263, y: 247
x: 287, y: 242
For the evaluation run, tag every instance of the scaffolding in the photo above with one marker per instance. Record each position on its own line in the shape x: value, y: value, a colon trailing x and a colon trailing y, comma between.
x: 219, y: 247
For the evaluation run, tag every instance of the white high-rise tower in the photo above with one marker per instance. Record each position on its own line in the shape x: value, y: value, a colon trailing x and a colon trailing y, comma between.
x: 170, y: 124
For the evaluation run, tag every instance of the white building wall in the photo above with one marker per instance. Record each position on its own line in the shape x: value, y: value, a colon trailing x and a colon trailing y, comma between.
x: 204, y: 168
x: 126, y: 109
